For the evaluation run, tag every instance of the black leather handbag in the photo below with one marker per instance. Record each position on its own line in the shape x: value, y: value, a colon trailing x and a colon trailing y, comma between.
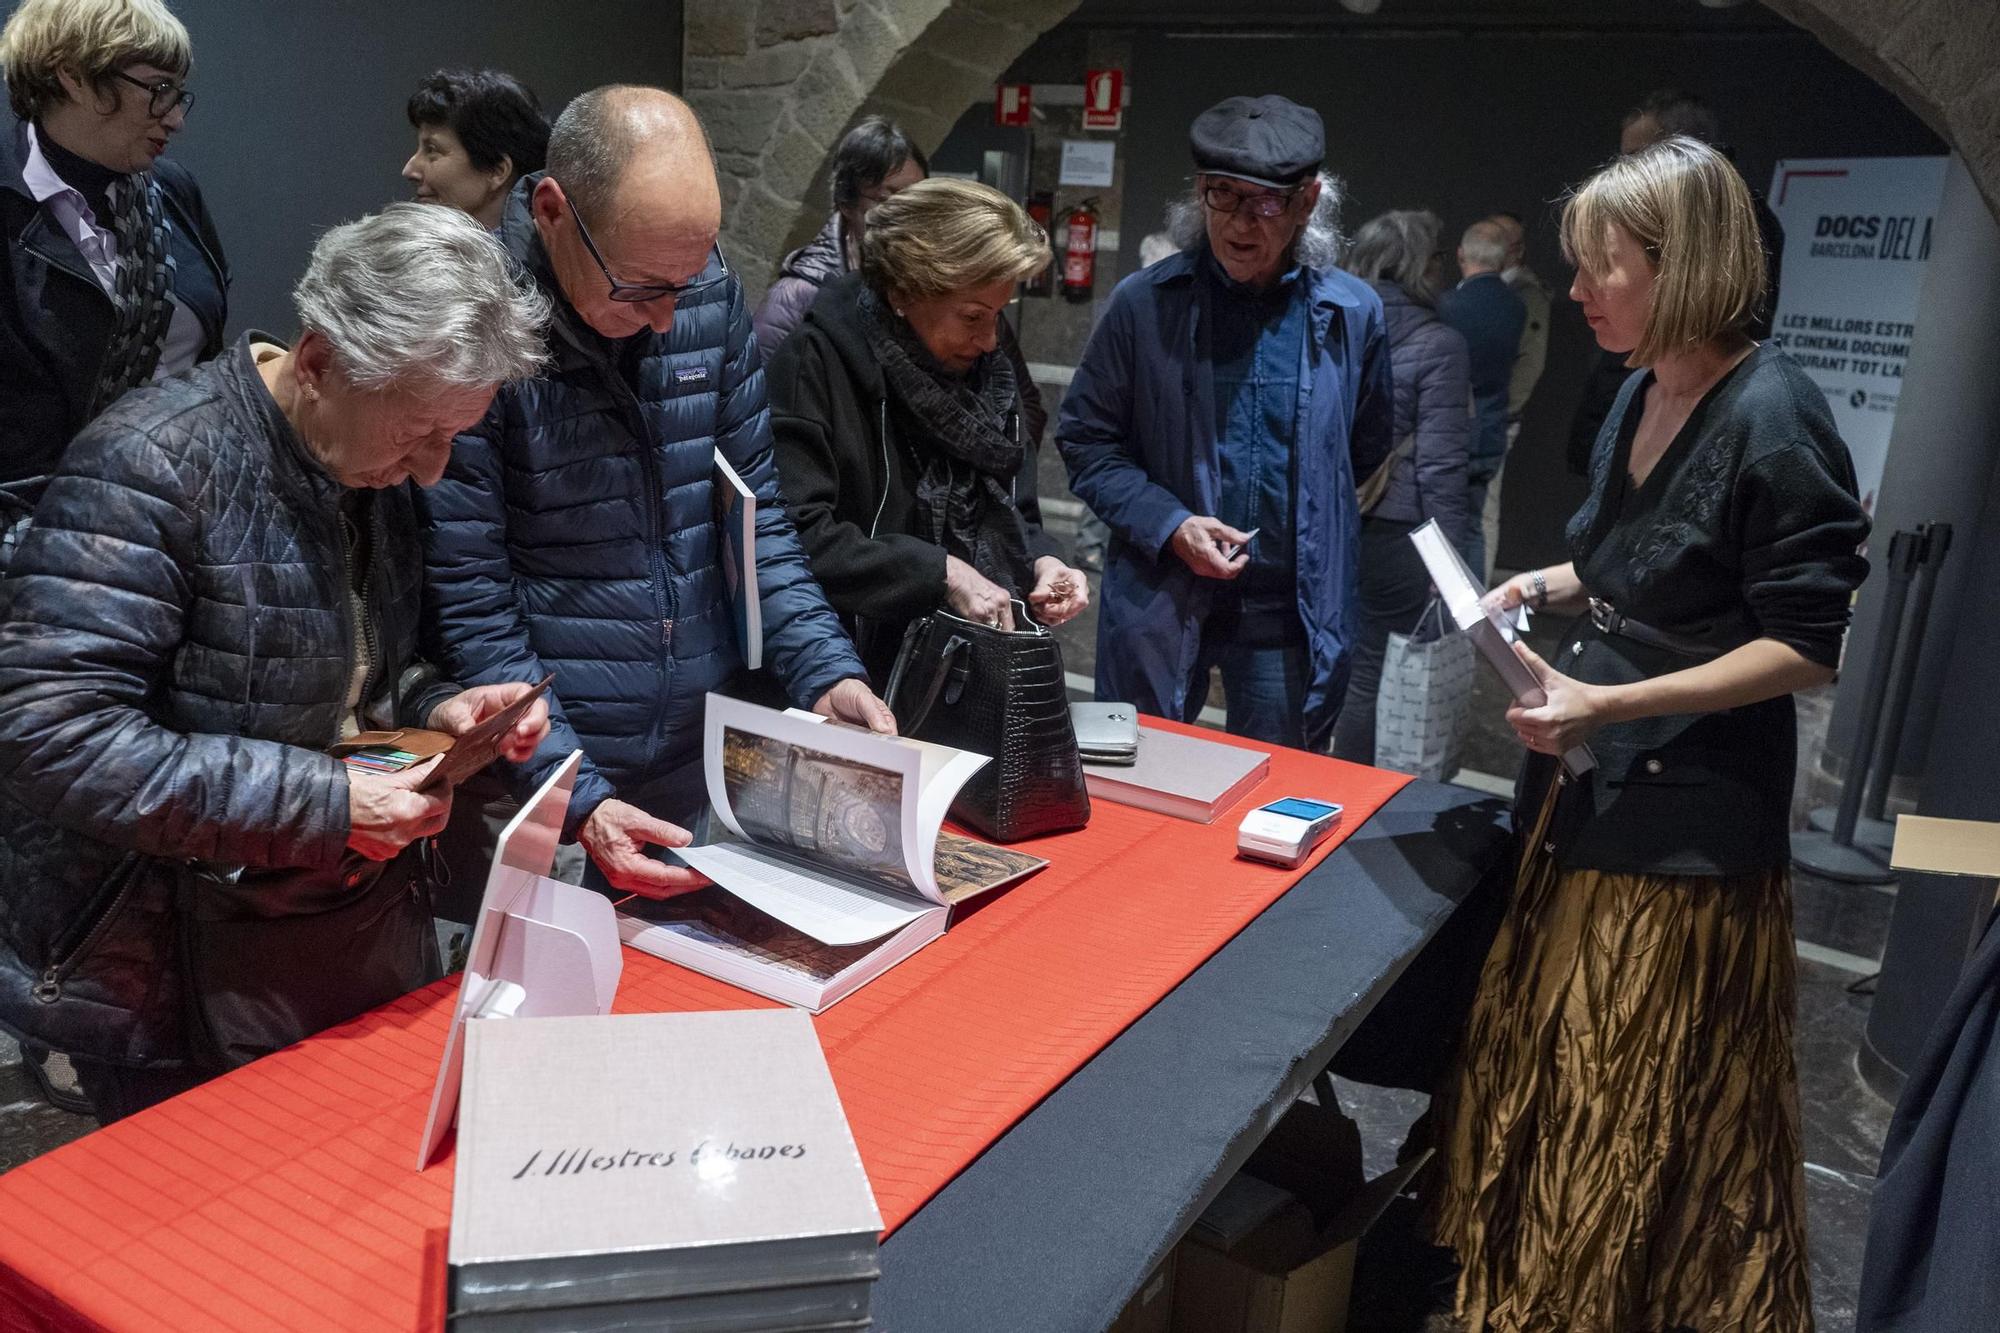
x: 998, y: 693
x: 271, y: 958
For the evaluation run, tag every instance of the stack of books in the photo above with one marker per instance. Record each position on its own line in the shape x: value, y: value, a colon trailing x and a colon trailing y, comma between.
x: 683, y: 1171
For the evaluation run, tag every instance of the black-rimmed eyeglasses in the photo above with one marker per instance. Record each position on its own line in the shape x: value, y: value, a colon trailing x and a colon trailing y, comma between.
x: 1222, y: 199
x: 713, y: 274
x: 162, y: 95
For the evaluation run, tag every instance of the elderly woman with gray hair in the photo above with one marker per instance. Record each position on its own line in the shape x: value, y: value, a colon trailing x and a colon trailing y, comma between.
x: 220, y: 583
x: 1424, y: 477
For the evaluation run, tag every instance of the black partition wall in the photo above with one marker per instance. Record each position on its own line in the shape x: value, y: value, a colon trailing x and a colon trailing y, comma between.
x: 298, y: 122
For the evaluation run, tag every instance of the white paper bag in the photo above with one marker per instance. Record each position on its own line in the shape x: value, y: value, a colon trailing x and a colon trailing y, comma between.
x: 1425, y: 699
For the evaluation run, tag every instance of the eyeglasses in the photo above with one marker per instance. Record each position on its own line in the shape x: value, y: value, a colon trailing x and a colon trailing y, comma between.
x: 638, y: 292
x: 1222, y: 199
x: 162, y: 97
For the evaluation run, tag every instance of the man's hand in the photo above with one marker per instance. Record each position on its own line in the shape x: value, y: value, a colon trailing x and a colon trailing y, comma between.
x: 617, y: 834
x: 466, y: 710
x: 1205, y: 546
x: 386, y: 812
x: 852, y: 701
x: 972, y: 595
x: 1060, y: 592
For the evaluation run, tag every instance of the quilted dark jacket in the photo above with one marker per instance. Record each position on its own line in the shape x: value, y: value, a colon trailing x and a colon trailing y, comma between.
x: 175, y: 655
x: 573, y: 533
x: 800, y: 276
x: 1433, y: 374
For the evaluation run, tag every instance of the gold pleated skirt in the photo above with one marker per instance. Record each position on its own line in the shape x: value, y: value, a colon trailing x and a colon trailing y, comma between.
x: 1619, y: 1143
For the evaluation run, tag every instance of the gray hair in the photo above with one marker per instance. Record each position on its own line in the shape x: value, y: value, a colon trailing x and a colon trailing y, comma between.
x: 1318, y: 246
x: 420, y: 294
x: 1485, y: 245
x: 1398, y: 247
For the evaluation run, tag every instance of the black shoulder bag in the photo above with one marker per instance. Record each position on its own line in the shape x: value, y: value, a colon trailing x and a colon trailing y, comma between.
x: 998, y: 693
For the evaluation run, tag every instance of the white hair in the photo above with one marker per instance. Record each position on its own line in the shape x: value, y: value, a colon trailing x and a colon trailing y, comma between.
x: 1319, y: 244
x: 422, y: 295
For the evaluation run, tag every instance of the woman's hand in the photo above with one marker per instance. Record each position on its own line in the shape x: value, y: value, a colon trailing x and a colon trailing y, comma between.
x: 1060, y: 592
x: 1514, y: 592
x: 1571, y: 711
x: 974, y: 596
x: 386, y: 812
x: 467, y: 709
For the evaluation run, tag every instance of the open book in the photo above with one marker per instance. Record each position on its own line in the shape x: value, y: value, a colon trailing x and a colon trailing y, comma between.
x: 1490, y: 631
x: 736, y: 528
x: 834, y: 865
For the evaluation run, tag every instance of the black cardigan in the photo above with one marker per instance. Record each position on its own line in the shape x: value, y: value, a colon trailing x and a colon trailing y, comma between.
x: 1747, y: 528
x: 852, y: 490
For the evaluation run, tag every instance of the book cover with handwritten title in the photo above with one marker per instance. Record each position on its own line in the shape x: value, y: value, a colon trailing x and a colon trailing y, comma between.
x: 656, y: 1157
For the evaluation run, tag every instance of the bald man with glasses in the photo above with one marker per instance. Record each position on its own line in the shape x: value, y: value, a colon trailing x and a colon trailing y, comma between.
x: 1228, y: 403
x: 573, y: 531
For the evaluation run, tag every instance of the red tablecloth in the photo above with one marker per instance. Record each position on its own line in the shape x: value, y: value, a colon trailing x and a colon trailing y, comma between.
x: 281, y: 1197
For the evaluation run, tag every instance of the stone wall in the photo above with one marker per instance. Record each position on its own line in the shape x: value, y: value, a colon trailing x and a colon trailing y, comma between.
x: 777, y: 82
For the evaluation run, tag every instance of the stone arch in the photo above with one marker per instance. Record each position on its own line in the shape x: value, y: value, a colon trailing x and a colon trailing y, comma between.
x: 1940, y: 57
x: 777, y: 82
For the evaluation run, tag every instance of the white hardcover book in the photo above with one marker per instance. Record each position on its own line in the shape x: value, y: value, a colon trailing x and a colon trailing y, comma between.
x: 833, y: 865
x: 657, y: 1158
x: 1465, y: 602
x: 736, y: 526
x: 1182, y: 776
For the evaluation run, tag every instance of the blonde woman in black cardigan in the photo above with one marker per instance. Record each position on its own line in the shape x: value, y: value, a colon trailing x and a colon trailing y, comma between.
x: 1620, y: 1140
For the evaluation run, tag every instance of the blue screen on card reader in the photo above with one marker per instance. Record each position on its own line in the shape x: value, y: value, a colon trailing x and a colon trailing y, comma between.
x: 1294, y: 808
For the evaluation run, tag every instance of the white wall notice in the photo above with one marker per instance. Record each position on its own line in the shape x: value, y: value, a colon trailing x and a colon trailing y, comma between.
x: 1087, y: 162
x: 1857, y: 234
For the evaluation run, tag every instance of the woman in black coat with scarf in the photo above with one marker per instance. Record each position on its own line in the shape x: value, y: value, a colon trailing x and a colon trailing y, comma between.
x: 898, y: 425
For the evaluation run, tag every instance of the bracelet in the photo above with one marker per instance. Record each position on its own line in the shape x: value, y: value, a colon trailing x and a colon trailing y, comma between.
x: 1540, y: 582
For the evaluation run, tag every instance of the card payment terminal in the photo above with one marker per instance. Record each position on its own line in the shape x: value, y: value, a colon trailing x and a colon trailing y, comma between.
x: 1285, y: 832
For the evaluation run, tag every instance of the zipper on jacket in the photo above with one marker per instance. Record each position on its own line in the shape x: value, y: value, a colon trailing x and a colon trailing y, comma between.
x: 48, y: 989
x: 655, y: 553
x: 349, y: 539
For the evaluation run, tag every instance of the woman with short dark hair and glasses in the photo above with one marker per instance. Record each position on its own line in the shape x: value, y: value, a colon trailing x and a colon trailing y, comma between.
x: 874, y: 161
x: 114, y: 276
x: 478, y: 131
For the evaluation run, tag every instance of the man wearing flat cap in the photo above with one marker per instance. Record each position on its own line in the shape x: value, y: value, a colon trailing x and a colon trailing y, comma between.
x: 1228, y: 401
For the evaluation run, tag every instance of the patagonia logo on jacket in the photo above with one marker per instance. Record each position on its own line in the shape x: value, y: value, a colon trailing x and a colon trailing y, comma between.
x: 688, y: 375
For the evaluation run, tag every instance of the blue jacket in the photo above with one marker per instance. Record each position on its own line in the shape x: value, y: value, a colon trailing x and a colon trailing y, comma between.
x: 1138, y: 434
x: 1485, y: 310
x: 573, y: 533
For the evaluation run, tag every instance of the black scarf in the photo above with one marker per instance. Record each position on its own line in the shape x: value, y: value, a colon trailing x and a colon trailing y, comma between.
x: 970, y: 450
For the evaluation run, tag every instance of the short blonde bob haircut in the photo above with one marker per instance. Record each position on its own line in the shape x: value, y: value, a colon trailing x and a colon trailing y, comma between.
x: 91, y: 39
x: 1689, y: 210
x: 946, y: 235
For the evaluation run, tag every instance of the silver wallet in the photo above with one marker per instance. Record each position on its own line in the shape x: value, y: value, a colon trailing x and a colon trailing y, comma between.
x: 1106, y: 733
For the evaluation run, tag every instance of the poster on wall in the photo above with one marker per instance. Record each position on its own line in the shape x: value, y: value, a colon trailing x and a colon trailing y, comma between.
x: 1858, y: 231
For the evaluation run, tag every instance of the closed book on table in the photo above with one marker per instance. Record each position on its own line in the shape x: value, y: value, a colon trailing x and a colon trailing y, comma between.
x: 619, y: 1160
x: 1178, y: 775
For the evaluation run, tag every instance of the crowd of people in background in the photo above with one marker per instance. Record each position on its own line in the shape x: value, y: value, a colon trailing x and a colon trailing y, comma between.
x: 486, y: 456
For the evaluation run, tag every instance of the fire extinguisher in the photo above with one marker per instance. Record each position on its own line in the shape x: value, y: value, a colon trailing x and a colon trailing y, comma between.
x: 1080, y: 252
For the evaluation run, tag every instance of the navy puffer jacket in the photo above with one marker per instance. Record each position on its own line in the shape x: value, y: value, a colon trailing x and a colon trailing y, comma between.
x: 573, y: 533
x: 1433, y: 373
x: 176, y: 650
